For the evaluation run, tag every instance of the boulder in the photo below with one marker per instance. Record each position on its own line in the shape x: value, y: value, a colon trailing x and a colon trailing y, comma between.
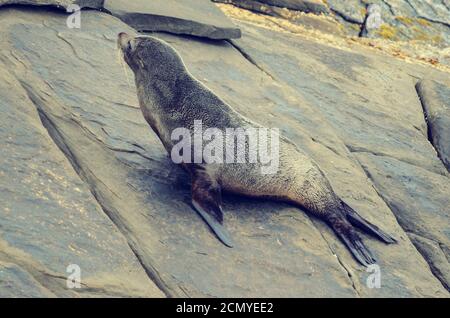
x: 373, y: 21
x: 435, y: 97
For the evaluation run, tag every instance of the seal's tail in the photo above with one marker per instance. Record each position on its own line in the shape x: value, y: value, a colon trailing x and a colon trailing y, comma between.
x: 348, y: 235
x: 358, y: 221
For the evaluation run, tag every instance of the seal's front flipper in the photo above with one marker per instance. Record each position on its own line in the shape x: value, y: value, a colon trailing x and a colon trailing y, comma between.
x: 358, y: 221
x: 207, y: 199
x: 218, y: 229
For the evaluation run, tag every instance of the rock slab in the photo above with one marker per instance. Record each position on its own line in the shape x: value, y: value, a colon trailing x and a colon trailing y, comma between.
x: 191, y: 17
x: 435, y: 98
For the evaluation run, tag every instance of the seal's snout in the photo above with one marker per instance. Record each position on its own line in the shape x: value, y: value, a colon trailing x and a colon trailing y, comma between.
x: 122, y: 40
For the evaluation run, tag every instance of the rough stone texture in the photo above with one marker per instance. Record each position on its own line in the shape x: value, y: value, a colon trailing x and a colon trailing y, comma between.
x: 420, y: 200
x: 435, y: 98
x: 372, y: 22
x: 437, y: 255
x: 404, y: 19
x: 192, y: 17
x: 17, y: 283
x: 66, y: 88
x: 433, y: 11
x: 350, y: 10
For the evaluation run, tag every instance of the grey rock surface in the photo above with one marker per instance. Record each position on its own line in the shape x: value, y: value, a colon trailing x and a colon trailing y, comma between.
x: 192, y: 17
x: 350, y: 10
x: 372, y: 22
x: 435, y: 98
x: 420, y: 202
x: 71, y: 120
x: 18, y: 283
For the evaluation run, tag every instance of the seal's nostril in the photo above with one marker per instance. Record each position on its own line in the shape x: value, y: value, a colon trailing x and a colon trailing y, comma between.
x: 123, y: 39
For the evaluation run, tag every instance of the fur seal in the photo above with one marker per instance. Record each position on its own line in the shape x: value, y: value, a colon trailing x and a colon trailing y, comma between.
x: 170, y: 97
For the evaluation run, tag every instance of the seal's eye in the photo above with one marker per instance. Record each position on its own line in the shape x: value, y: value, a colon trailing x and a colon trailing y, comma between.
x: 131, y: 45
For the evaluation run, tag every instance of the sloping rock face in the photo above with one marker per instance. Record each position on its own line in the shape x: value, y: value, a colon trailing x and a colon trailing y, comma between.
x: 85, y: 181
x: 49, y: 219
x: 193, y: 17
x: 420, y: 202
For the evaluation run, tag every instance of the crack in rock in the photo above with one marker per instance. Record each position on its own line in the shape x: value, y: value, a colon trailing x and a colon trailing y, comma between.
x: 93, y: 183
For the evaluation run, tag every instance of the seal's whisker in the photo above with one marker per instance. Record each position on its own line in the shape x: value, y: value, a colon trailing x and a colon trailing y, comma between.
x: 120, y: 57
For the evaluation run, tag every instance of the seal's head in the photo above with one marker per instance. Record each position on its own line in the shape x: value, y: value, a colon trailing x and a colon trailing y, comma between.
x: 149, y: 55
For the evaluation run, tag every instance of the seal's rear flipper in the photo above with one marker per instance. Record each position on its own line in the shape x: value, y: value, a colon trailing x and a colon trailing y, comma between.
x: 207, y: 199
x: 358, y: 221
x: 348, y: 235
x: 359, y: 250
